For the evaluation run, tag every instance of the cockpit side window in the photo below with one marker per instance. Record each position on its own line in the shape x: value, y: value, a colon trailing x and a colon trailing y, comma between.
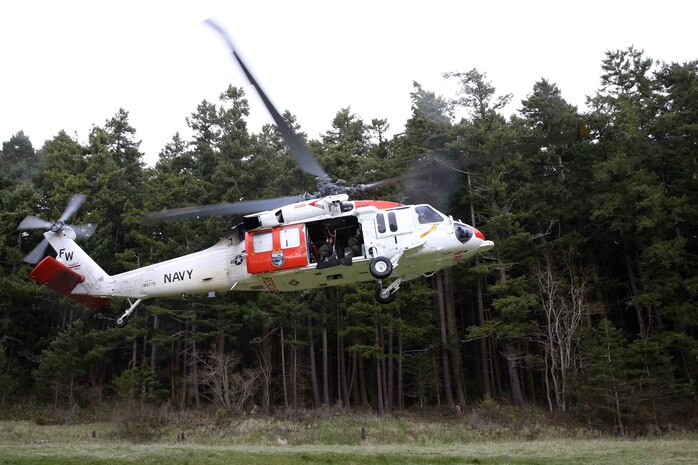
x: 392, y: 221
x: 426, y: 214
x: 463, y: 232
x: 380, y: 220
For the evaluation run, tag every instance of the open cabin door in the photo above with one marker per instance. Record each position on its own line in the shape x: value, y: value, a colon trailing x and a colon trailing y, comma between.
x: 279, y: 248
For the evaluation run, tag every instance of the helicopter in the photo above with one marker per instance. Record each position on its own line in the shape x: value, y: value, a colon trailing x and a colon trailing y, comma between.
x: 285, y: 244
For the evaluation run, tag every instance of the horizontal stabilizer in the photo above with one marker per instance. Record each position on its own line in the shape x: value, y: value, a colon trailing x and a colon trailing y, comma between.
x: 60, y: 278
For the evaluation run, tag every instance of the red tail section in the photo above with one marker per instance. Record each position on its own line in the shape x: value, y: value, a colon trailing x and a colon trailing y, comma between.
x: 62, y: 279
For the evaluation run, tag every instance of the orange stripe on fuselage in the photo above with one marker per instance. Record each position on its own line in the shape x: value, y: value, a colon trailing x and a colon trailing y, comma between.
x: 424, y: 234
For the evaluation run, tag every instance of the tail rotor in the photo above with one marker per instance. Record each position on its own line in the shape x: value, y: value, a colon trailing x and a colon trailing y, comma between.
x: 79, y: 231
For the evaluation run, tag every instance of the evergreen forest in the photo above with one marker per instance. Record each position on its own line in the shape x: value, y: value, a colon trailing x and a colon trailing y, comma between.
x: 587, y: 306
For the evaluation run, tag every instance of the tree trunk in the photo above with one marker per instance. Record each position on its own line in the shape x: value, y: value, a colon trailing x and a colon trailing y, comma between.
x: 353, y: 383
x: 294, y: 371
x: 384, y: 369
x: 343, y: 385
x: 453, y: 339
x: 153, y: 346
x: 529, y: 374
x: 283, y: 366
x: 185, y: 362
x: 174, y: 369
x: 326, y: 364
x: 379, y: 375
x: 391, y: 375
x: 194, y: 369
x: 144, y: 354
x: 220, y: 340
x: 617, y: 411
x: 512, y: 356
x: 134, y: 353
x: 485, y: 359
x: 70, y: 391
x: 437, y: 388
x: 634, y: 292
x: 313, y: 368
x: 344, y: 388
x: 400, y: 381
x: 265, y: 367
x: 363, y: 390
x: 438, y: 279
x: 497, y: 372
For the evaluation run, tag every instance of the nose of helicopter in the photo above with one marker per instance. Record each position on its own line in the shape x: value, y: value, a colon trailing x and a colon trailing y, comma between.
x: 484, y: 243
x: 472, y: 238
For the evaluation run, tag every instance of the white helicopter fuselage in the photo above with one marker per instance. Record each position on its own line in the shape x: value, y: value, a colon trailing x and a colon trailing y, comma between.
x: 281, y: 253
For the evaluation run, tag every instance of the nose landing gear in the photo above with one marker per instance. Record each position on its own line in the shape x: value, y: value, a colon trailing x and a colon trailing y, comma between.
x: 386, y: 295
x: 380, y: 267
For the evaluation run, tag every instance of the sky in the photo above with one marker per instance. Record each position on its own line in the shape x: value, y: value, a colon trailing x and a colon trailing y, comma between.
x: 71, y: 65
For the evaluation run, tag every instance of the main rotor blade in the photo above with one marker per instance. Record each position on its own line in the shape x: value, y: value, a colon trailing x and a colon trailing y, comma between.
x: 299, y: 149
x: 75, y: 202
x: 83, y: 231
x: 33, y: 222
x: 424, y: 172
x: 37, y: 253
x: 221, y: 209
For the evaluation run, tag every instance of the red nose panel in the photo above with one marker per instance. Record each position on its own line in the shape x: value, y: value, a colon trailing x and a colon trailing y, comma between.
x: 479, y: 234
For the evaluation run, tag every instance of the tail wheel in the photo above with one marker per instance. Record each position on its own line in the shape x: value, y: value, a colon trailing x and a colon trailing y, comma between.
x: 121, y: 322
x: 382, y: 298
x: 380, y: 267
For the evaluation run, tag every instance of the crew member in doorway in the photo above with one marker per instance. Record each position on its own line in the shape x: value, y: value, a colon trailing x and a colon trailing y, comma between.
x: 354, y: 244
x: 327, y: 249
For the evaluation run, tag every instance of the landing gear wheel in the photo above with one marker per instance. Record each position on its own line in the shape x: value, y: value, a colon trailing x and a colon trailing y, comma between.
x: 384, y: 300
x: 121, y: 322
x: 380, y: 267
x: 123, y: 319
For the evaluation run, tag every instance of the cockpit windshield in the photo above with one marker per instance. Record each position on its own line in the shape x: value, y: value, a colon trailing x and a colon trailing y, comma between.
x: 426, y: 214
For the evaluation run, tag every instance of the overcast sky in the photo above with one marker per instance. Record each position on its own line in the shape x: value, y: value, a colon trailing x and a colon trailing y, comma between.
x: 72, y: 64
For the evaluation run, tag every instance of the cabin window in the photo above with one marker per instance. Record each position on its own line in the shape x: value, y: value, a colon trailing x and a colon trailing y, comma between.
x: 426, y: 214
x: 262, y: 242
x: 392, y: 221
x: 290, y: 238
x: 380, y: 220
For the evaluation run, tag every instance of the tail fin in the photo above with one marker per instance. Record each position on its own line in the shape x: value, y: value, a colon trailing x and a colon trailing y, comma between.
x: 60, y: 278
x: 73, y: 272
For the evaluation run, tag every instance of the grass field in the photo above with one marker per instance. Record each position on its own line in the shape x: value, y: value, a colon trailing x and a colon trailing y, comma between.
x: 544, y: 452
x: 334, y: 439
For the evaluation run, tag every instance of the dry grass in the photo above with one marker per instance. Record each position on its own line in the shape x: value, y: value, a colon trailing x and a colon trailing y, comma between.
x: 488, y: 434
x: 596, y: 451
